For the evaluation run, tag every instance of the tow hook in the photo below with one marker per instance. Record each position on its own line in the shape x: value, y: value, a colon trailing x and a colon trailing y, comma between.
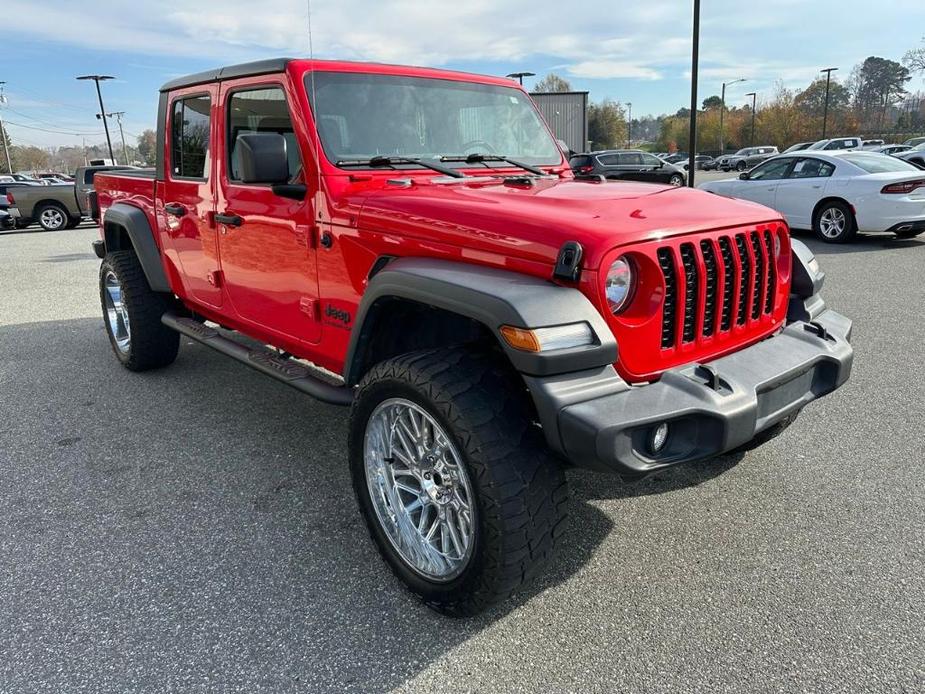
x: 819, y: 330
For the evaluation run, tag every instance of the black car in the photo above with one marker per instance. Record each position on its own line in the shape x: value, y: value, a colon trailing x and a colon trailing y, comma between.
x: 627, y: 165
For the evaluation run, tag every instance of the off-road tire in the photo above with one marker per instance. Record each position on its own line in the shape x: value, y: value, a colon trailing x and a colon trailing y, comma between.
x: 851, y: 228
x: 45, y: 212
x: 152, y: 344
x: 519, y: 487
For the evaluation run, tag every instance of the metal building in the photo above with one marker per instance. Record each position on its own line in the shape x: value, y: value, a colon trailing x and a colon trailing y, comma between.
x: 567, y: 115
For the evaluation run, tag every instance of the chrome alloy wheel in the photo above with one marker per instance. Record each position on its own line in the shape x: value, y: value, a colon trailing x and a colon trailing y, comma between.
x: 51, y: 218
x: 833, y: 223
x: 117, y: 313
x: 420, y: 489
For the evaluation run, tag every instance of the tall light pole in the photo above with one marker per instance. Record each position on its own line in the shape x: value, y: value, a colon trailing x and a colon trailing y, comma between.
x: 629, y: 125
x: 99, y: 94
x: 6, y: 147
x: 118, y: 116
x: 695, y: 59
x: 520, y: 76
x: 722, y: 113
x: 751, y: 140
x: 825, y: 111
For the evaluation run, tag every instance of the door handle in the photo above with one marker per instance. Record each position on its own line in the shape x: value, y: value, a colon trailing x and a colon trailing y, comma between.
x: 175, y: 209
x: 231, y: 220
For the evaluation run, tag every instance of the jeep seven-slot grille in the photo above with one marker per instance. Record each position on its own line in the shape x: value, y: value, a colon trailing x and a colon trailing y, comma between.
x: 714, y: 284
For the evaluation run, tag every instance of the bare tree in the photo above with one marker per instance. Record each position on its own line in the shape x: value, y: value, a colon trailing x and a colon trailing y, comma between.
x: 552, y: 83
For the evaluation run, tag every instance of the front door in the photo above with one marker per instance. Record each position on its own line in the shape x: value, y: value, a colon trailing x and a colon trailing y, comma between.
x: 761, y: 184
x: 268, y: 260
x: 189, y: 192
x: 804, y: 187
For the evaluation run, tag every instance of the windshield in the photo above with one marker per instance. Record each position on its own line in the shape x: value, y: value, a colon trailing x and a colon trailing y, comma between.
x: 879, y: 163
x: 361, y: 116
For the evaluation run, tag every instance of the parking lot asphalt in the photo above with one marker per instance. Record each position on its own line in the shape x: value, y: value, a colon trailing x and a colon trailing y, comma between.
x: 193, y: 529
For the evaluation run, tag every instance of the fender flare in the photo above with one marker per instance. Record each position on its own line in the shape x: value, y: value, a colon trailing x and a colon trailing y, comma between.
x: 493, y: 298
x: 135, y: 223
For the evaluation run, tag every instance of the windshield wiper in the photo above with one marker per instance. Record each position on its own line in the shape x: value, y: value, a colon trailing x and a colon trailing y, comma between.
x: 479, y: 158
x: 381, y: 160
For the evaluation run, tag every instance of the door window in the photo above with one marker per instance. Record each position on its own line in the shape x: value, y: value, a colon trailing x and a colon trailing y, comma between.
x: 650, y: 160
x: 629, y: 159
x: 811, y: 168
x: 261, y: 110
x: 189, y: 137
x: 772, y: 170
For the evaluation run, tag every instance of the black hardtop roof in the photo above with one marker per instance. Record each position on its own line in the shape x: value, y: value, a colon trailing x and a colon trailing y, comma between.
x: 258, y: 67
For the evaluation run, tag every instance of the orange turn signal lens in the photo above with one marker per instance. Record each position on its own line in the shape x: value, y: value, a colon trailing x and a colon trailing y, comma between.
x: 520, y: 338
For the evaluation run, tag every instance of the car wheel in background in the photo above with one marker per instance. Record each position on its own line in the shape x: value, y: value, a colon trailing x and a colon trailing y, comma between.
x: 52, y: 216
x: 834, y: 222
x: 741, y: 166
x: 676, y: 180
x: 73, y: 222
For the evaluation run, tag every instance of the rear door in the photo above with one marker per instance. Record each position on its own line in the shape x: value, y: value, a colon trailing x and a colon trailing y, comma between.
x: 803, y: 187
x: 187, y: 204
x: 268, y: 259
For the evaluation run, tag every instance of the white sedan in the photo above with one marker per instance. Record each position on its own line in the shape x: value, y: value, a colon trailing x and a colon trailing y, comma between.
x: 836, y: 194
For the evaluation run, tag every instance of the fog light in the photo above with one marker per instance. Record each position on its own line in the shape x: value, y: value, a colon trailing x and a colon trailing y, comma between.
x: 658, y: 438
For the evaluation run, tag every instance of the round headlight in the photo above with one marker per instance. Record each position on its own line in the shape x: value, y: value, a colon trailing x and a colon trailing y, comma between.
x: 618, y: 285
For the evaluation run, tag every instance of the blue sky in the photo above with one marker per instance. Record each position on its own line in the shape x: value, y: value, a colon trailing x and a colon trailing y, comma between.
x: 636, y: 51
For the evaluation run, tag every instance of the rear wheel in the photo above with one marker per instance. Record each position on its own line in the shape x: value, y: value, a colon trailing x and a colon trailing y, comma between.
x: 677, y: 180
x: 834, y: 222
x: 741, y: 166
x: 52, y: 216
x: 132, y: 314
x: 459, y: 493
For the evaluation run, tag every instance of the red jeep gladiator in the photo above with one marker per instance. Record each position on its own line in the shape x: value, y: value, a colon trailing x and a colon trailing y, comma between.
x: 412, y: 243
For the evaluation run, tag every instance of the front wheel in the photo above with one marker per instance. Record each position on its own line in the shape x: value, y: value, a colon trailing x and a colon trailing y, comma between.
x: 741, y: 166
x: 834, y: 222
x: 132, y: 315
x: 458, y: 491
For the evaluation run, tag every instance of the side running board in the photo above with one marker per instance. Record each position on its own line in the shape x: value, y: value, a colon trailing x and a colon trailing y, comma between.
x: 289, y: 372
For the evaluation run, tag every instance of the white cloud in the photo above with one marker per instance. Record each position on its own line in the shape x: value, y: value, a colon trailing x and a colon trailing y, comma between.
x: 612, y: 69
x: 594, y: 41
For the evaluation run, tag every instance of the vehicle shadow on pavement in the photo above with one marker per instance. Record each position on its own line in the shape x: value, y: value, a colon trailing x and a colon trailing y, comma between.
x: 198, y: 524
x: 861, y: 242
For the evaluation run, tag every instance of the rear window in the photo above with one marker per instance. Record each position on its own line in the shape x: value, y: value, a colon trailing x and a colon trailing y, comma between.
x: 879, y: 163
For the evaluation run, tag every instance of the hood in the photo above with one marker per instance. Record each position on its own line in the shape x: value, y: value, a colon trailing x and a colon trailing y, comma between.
x: 531, y: 222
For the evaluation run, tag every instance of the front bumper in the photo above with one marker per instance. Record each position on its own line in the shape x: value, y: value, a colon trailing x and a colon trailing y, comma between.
x: 596, y: 420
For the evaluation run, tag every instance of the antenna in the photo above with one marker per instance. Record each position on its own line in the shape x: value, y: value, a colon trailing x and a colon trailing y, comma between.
x: 314, y: 109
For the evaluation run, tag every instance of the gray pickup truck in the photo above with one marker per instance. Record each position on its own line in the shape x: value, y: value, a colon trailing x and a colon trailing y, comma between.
x: 58, y: 206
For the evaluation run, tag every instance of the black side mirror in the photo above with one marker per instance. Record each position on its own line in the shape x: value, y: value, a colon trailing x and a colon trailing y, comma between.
x: 744, y: 176
x: 262, y: 158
